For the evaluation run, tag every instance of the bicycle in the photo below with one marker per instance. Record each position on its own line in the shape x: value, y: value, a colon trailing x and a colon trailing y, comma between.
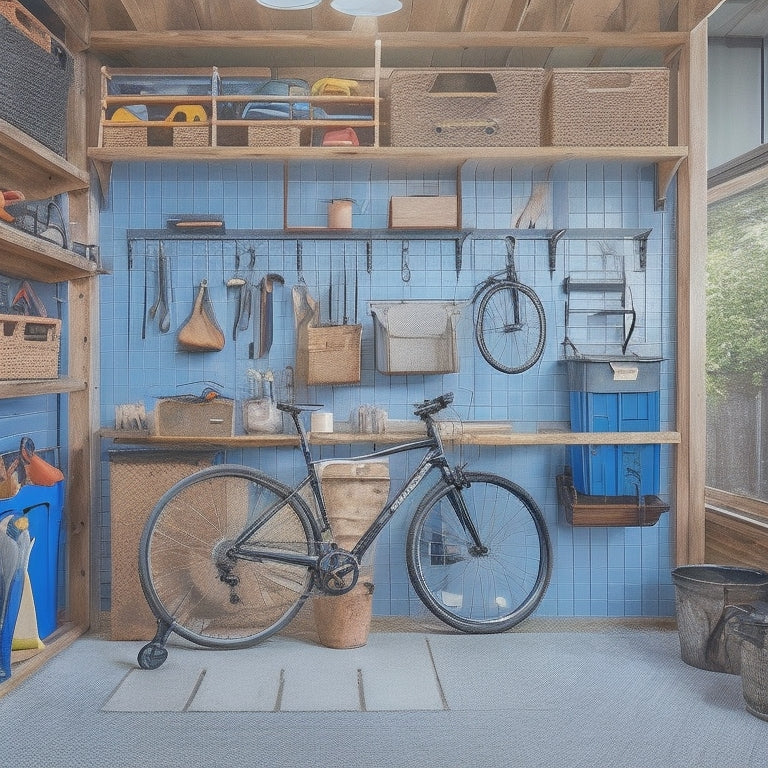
x: 510, y: 326
x: 229, y: 554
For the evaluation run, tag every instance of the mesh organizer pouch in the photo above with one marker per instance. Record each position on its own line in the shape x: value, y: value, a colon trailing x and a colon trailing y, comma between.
x: 416, y: 336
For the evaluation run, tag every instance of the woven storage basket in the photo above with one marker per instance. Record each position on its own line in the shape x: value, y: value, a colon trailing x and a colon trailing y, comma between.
x: 466, y: 107
x: 137, y: 480
x: 607, y: 107
x: 191, y: 135
x: 112, y: 136
x: 273, y: 136
x: 329, y: 354
x: 29, y: 347
x: 416, y: 336
x: 35, y: 84
x: 189, y: 417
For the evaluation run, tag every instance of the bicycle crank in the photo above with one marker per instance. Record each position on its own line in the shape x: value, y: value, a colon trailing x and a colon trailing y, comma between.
x: 338, y: 572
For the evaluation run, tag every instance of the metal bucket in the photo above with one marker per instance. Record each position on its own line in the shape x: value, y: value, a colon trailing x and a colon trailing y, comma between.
x: 707, y: 600
x: 752, y: 627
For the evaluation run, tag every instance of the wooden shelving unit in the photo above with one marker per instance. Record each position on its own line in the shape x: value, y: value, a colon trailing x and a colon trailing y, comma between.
x: 28, y: 165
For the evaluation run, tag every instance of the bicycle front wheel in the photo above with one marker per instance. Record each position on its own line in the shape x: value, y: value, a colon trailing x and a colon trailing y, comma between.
x: 187, y: 571
x: 511, y: 327
x: 486, y: 588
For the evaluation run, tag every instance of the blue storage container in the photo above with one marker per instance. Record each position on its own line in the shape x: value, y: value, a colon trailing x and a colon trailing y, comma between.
x: 43, y: 506
x: 609, y: 395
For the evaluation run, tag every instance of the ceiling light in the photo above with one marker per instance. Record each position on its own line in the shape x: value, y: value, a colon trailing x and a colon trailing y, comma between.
x: 289, y: 5
x: 366, y: 7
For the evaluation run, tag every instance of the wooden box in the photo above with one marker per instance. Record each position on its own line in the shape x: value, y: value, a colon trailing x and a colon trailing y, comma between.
x: 424, y: 211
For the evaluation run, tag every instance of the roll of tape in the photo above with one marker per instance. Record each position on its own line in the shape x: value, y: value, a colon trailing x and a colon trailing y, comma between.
x: 321, y: 421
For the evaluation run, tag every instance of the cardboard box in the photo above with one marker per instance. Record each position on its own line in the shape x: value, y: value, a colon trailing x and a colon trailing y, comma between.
x: 424, y: 212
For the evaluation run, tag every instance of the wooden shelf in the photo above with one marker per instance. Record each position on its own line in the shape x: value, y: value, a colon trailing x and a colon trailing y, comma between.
x: 26, y: 257
x: 392, y: 438
x: 666, y: 159
x: 32, y: 387
x: 34, y: 169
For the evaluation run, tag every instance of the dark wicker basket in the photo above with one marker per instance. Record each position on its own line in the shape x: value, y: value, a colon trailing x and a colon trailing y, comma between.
x: 35, y: 86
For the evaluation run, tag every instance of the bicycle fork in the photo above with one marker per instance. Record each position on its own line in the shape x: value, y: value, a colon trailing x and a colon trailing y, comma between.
x: 459, y: 504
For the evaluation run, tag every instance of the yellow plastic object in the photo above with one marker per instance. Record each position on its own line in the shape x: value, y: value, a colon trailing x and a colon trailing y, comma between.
x: 123, y: 115
x: 25, y: 634
x: 334, y: 86
x: 187, y: 113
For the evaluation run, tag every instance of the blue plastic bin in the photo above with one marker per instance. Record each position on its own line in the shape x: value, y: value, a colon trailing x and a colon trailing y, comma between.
x: 609, y: 395
x: 43, y: 506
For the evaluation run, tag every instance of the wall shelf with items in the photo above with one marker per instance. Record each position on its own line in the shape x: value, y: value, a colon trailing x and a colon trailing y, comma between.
x: 468, y: 437
x: 34, y: 169
x: 25, y: 256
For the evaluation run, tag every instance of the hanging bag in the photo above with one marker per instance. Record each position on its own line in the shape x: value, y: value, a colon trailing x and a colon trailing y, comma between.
x: 201, y: 332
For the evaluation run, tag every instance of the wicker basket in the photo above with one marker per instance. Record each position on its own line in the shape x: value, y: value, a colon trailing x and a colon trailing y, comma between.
x: 607, y: 107
x: 329, y: 354
x: 185, y: 416
x: 112, y: 136
x: 416, y: 336
x: 29, y: 347
x: 273, y: 136
x: 193, y: 135
x: 466, y: 107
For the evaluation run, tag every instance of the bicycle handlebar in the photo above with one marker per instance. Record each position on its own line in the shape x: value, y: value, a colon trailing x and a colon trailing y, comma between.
x: 435, y: 405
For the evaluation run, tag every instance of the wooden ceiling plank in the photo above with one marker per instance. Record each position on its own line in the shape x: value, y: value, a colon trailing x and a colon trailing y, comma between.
x: 596, y: 16
x: 547, y: 15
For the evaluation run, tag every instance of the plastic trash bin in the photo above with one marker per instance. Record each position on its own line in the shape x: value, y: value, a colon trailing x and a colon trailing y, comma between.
x: 706, y: 603
x: 752, y: 627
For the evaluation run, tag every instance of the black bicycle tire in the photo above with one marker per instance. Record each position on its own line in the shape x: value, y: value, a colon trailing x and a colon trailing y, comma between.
x: 481, y: 322
x: 155, y: 598
x: 420, y: 583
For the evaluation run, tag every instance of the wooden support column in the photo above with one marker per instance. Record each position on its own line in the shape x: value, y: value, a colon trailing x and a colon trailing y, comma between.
x: 691, y: 299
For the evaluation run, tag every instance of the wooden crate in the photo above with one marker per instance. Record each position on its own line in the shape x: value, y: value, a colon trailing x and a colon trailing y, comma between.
x: 612, y: 511
x: 424, y: 211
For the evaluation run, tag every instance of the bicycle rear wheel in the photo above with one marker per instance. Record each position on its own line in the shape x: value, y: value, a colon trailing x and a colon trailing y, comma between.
x: 190, y: 581
x: 480, y: 590
x: 511, y: 327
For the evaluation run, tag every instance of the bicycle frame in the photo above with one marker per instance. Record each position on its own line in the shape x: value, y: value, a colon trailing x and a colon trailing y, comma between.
x: 434, y: 457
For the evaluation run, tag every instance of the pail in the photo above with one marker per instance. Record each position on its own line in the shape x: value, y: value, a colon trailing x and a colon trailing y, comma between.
x: 752, y: 627
x: 706, y: 603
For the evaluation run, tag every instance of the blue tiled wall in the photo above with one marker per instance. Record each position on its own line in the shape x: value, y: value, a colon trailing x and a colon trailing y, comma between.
x: 597, y: 571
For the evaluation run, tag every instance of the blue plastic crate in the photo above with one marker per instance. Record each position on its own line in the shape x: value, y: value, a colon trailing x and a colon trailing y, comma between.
x: 615, y: 470
x: 43, y: 506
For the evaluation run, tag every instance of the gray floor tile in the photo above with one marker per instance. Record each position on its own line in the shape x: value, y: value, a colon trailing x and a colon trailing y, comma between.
x: 234, y: 689
x: 160, y: 690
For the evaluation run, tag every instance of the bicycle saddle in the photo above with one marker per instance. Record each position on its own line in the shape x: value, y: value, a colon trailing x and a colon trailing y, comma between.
x: 428, y: 407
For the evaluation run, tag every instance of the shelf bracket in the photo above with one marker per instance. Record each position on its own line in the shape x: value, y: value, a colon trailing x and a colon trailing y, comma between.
x: 665, y: 172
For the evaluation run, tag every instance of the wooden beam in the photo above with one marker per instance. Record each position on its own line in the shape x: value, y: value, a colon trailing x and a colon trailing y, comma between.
x: 126, y: 41
x: 691, y: 300
x: 74, y: 16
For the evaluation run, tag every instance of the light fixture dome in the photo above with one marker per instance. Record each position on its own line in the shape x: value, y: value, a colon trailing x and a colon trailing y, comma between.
x: 366, y: 7
x: 289, y: 5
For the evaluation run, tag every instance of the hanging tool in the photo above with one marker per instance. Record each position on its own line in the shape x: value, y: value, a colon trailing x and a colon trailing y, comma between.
x: 405, y: 269
x: 300, y: 260
x: 357, y: 281
x: 553, y: 240
x: 160, y: 307
x: 369, y: 257
x: 345, y: 317
x: 266, y: 311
